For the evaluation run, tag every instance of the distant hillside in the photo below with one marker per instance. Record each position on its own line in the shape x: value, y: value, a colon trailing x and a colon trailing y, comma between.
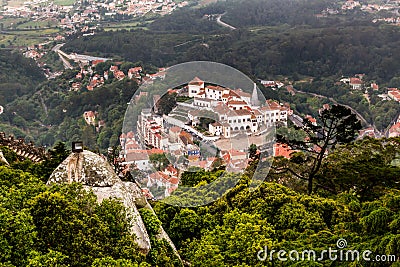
x: 269, y: 51
x: 18, y: 76
x: 244, y: 13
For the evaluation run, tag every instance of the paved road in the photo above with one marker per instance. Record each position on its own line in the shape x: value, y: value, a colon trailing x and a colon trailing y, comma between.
x: 223, y: 24
x: 64, y: 57
x: 57, y: 47
x: 76, y: 57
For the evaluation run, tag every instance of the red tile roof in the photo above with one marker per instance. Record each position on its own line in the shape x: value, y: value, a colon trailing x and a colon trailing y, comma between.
x: 242, y: 112
x: 236, y: 102
x: 355, y: 81
x: 175, y: 129
x: 196, y: 81
x: 282, y: 150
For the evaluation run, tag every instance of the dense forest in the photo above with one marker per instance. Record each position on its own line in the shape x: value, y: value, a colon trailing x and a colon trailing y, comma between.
x: 18, y: 76
x: 63, y: 225
x: 267, y: 52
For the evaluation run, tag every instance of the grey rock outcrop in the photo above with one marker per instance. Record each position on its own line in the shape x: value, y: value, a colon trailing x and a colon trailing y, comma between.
x: 87, y: 168
x: 3, y: 159
x: 96, y: 174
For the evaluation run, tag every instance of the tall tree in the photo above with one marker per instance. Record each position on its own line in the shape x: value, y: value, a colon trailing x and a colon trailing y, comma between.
x: 338, y: 125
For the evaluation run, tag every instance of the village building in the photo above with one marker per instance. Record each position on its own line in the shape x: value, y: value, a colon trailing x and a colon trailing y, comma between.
x: 282, y: 150
x: 374, y: 86
x: 238, y: 109
x: 394, y: 94
x: 119, y: 75
x: 394, y: 131
x: 151, y: 131
x: 90, y: 117
x: 355, y: 83
x: 139, y: 159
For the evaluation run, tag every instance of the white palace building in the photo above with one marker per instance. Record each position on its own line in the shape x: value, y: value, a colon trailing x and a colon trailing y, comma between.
x: 236, y: 110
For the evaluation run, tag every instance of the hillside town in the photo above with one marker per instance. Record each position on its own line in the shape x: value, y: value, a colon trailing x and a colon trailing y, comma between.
x: 199, y: 132
x: 389, y: 8
x: 75, y: 16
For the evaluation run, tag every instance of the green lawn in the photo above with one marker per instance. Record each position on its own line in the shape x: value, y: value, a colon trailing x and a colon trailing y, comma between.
x: 124, y: 25
x: 27, y: 37
x: 20, y: 40
x: 64, y: 2
x: 7, y: 22
x: 16, y: 3
x: 37, y: 24
x: 35, y: 33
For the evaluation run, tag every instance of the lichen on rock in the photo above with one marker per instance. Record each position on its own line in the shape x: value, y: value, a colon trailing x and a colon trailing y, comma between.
x: 96, y: 174
x: 87, y: 168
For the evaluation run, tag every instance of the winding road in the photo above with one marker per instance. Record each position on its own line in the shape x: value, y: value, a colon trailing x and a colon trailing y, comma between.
x: 223, y: 24
x: 62, y: 55
x: 75, y: 57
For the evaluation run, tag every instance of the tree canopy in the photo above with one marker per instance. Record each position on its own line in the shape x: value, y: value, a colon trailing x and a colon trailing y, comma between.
x: 336, y: 125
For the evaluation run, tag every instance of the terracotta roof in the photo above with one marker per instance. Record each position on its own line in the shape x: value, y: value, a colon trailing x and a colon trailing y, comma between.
x: 242, y: 112
x: 130, y: 157
x: 257, y: 112
x: 174, y: 180
x: 241, y: 93
x: 186, y: 138
x: 394, y: 93
x: 155, y: 151
x: 95, y: 62
x: 236, y: 102
x: 171, y: 169
x: 282, y: 150
x: 355, y: 81
x: 395, y: 129
x: 135, y: 69
x: 201, y: 164
x: 311, y: 119
x: 175, y: 129
x: 234, y: 152
x: 196, y: 81
x: 221, y: 108
x: 89, y: 114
